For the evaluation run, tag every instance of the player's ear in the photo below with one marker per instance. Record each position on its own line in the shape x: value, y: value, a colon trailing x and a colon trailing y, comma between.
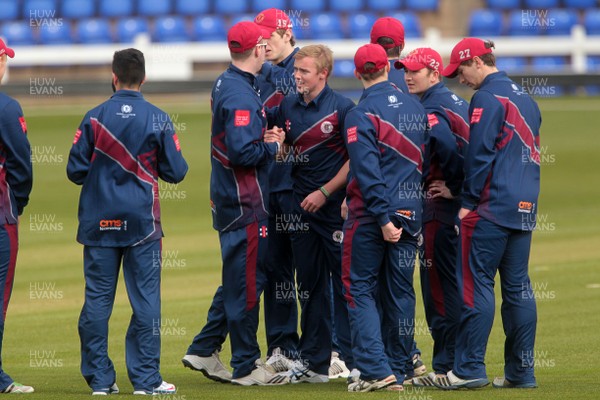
x: 115, y: 79
x: 357, y: 75
x: 143, y: 81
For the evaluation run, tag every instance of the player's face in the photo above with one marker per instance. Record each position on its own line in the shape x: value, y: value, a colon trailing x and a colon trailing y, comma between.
x: 470, y: 75
x: 419, y: 81
x: 260, y: 55
x: 278, y: 46
x: 309, y: 81
x: 3, y: 60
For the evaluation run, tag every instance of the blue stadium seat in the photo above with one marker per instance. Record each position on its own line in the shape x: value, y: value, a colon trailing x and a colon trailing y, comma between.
x: 192, y: 7
x: 591, y: 21
x: 240, y: 18
x: 116, y: 8
x: 209, y: 28
x: 259, y: 5
x: 520, y: 24
x: 326, y: 26
x: 231, y: 7
x: 9, y: 10
x: 170, y: 29
x: 511, y: 64
x: 593, y: 63
x: 504, y: 4
x: 563, y: 21
x: 94, y: 30
x: 76, y: 9
x: 582, y: 4
x: 422, y: 5
x: 343, y: 68
x: 17, y: 33
x: 302, y: 32
x: 346, y: 5
x: 549, y: 63
x: 359, y: 25
x: 384, y: 5
x: 56, y: 33
x: 154, y: 7
x: 40, y: 9
x: 308, y: 6
x: 412, y: 26
x: 541, y: 4
x: 128, y: 28
x: 485, y: 23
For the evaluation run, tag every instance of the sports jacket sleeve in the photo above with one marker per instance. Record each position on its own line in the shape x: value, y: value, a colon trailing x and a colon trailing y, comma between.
x: 443, y: 143
x: 81, y: 153
x: 365, y: 161
x: 274, y: 117
x: 13, y: 137
x: 171, y: 164
x: 244, y: 131
x: 486, y: 120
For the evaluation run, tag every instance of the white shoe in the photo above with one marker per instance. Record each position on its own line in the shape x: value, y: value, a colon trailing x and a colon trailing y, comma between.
x: 262, y: 375
x: 303, y: 374
x: 337, y: 368
x: 370, y: 385
x: 211, y: 367
x: 114, y: 389
x: 354, y: 376
x: 279, y: 362
x: 18, y: 388
x: 419, y: 366
x: 164, y: 388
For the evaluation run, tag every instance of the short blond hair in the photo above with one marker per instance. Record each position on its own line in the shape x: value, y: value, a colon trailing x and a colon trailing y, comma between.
x: 322, y: 55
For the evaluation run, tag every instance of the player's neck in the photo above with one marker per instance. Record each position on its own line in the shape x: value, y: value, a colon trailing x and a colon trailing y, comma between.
x: 283, y: 56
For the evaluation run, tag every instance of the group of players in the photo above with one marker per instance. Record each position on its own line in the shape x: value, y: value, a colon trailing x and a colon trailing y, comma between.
x: 316, y: 200
x: 326, y: 202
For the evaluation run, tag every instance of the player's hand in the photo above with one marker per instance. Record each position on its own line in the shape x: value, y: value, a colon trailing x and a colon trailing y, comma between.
x: 275, y: 134
x: 463, y: 213
x: 344, y: 210
x: 391, y: 233
x: 439, y: 189
x: 313, y: 202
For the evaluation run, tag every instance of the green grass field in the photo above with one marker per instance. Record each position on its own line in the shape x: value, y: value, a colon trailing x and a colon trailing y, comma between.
x: 41, y: 345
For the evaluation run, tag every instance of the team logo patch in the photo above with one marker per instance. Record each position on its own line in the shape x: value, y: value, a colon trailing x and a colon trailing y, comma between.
x: 338, y: 236
x: 126, y: 111
x: 326, y: 127
x: 433, y: 120
x: 392, y: 99
x: 113, y: 225
x: 242, y: 118
x: 77, y: 136
x: 526, y: 207
x: 23, y: 124
x: 263, y: 231
x: 476, y: 115
x: 176, y: 140
x: 408, y: 214
x: 351, y: 133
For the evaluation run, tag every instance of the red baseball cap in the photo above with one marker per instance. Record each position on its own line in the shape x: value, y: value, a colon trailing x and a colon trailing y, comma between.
x: 466, y: 49
x: 5, y: 49
x: 273, y: 19
x: 247, y: 34
x: 423, y: 57
x: 388, y: 27
x: 372, y: 53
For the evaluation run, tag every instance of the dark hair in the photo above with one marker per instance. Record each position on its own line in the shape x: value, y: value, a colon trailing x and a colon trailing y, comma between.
x: 488, y: 59
x: 129, y: 67
x: 371, y: 76
x: 385, y: 42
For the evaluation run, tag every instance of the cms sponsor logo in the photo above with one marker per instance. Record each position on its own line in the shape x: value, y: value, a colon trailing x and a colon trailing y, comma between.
x: 526, y: 207
x: 113, y: 225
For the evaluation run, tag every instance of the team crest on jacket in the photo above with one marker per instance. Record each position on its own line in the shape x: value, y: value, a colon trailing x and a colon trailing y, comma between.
x: 126, y: 111
x: 338, y: 236
x: 326, y: 127
x: 392, y: 99
x: 351, y: 134
x: 476, y: 115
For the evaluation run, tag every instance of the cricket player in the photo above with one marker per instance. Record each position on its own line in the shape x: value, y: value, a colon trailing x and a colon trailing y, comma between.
x: 240, y: 154
x: 381, y: 232
x: 118, y: 155
x: 313, y: 121
x: 498, y: 212
x: 448, y: 137
x: 388, y: 32
x: 16, y: 179
x: 274, y: 81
